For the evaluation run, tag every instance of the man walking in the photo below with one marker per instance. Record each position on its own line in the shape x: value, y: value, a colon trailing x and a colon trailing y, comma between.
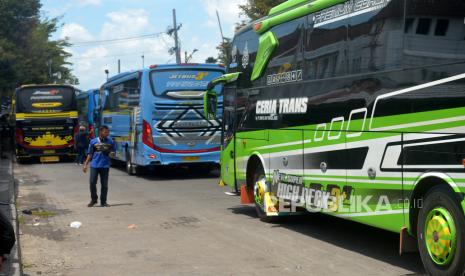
x: 99, y: 153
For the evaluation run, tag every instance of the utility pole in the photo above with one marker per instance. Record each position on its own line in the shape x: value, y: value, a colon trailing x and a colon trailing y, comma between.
x: 49, y: 63
x: 119, y: 66
x: 176, y: 39
x: 221, y: 28
x: 143, y: 61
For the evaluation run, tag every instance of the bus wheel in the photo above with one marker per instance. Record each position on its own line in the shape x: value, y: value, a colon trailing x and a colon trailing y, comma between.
x: 130, y: 167
x: 259, y: 189
x: 441, y: 233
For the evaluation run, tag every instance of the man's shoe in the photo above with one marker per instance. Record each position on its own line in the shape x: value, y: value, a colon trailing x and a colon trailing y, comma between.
x: 105, y: 205
x: 91, y: 204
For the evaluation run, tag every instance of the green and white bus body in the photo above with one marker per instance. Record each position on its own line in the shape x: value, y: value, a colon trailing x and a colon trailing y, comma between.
x: 355, y: 109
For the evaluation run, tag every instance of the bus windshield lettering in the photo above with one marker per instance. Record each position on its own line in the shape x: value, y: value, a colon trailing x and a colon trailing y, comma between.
x: 45, y: 100
x: 170, y: 80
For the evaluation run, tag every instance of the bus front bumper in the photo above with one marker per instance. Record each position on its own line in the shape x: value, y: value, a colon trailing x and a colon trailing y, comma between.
x: 35, y: 152
x: 157, y: 158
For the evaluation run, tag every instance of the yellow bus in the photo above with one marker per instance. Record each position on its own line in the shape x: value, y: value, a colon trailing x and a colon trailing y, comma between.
x: 46, y: 120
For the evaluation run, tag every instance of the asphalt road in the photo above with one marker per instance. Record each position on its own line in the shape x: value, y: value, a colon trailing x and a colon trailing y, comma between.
x: 183, y: 224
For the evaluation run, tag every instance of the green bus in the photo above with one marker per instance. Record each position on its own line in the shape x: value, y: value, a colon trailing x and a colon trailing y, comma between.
x: 355, y: 109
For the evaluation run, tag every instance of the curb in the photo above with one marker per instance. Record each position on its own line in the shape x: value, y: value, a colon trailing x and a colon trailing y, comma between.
x: 14, y: 259
x: 15, y: 263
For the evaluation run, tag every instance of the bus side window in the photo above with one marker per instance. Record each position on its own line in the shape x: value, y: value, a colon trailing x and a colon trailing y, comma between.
x: 287, y: 57
x: 133, y: 92
x: 376, y: 38
x: 246, y: 47
x: 325, y: 45
x: 113, y: 97
x: 124, y: 95
x: 440, y: 39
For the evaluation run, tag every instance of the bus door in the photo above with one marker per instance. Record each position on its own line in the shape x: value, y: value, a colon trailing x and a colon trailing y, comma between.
x: 135, y: 127
x: 228, y: 136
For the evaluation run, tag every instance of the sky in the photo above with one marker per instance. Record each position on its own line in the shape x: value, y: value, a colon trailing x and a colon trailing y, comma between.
x: 85, y: 21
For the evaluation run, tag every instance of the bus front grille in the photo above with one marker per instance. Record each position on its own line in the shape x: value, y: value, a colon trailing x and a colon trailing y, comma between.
x: 181, y: 123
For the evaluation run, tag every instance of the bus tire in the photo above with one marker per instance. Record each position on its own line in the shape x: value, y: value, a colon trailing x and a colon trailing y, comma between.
x: 258, y: 176
x: 130, y: 167
x: 441, y: 233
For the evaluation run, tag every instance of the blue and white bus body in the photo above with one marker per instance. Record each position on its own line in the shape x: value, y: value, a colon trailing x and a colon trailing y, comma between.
x: 88, y: 109
x: 156, y: 116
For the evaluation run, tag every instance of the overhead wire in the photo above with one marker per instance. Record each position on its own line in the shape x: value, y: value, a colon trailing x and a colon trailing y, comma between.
x: 114, y: 40
x: 95, y: 43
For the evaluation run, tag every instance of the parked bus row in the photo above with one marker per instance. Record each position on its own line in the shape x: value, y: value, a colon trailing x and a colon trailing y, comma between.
x: 156, y: 117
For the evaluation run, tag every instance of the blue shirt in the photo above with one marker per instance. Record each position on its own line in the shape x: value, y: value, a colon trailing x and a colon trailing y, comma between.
x: 100, y: 151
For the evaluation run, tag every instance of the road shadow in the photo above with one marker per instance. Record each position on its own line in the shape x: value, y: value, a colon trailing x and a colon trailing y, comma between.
x: 180, y: 172
x: 121, y: 204
x: 36, y: 161
x: 363, y: 239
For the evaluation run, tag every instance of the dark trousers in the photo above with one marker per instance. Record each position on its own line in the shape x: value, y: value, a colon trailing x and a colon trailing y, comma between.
x: 94, y: 174
x: 81, y: 155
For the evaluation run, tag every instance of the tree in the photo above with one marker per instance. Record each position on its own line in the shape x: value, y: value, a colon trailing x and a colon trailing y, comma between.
x: 27, y: 52
x: 211, y: 60
x: 255, y: 9
x: 50, y: 56
x: 224, y: 51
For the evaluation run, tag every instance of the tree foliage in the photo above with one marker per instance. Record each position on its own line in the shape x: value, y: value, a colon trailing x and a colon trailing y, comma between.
x: 27, y: 52
x: 255, y: 9
x: 224, y: 50
x: 211, y: 60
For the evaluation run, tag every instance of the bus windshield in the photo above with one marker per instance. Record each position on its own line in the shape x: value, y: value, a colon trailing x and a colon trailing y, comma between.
x: 182, y: 80
x: 45, y: 100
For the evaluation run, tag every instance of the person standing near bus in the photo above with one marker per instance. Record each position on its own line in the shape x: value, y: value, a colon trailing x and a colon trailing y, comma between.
x: 101, y: 149
x: 81, y: 140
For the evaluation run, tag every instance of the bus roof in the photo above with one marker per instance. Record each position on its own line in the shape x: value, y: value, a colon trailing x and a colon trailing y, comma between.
x: 288, y: 11
x: 45, y: 85
x: 183, y: 66
x: 290, y: 4
x: 83, y: 94
x: 187, y: 66
x: 121, y: 76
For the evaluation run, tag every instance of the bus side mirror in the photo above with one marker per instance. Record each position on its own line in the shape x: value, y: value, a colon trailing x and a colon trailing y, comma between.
x: 210, y: 104
x: 210, y: 99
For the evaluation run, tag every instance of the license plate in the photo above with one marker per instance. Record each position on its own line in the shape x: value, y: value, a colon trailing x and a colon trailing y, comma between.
x: 191, y: 158
x: 49, y: 151
x: 47, y: 159
x: 190, y: 124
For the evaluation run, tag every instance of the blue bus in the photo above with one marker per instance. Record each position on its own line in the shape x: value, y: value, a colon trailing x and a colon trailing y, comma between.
x: 88, y: 109
x: 156, y: 116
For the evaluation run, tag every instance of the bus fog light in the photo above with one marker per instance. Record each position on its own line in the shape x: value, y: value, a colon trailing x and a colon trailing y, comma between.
x: 152, y: 156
